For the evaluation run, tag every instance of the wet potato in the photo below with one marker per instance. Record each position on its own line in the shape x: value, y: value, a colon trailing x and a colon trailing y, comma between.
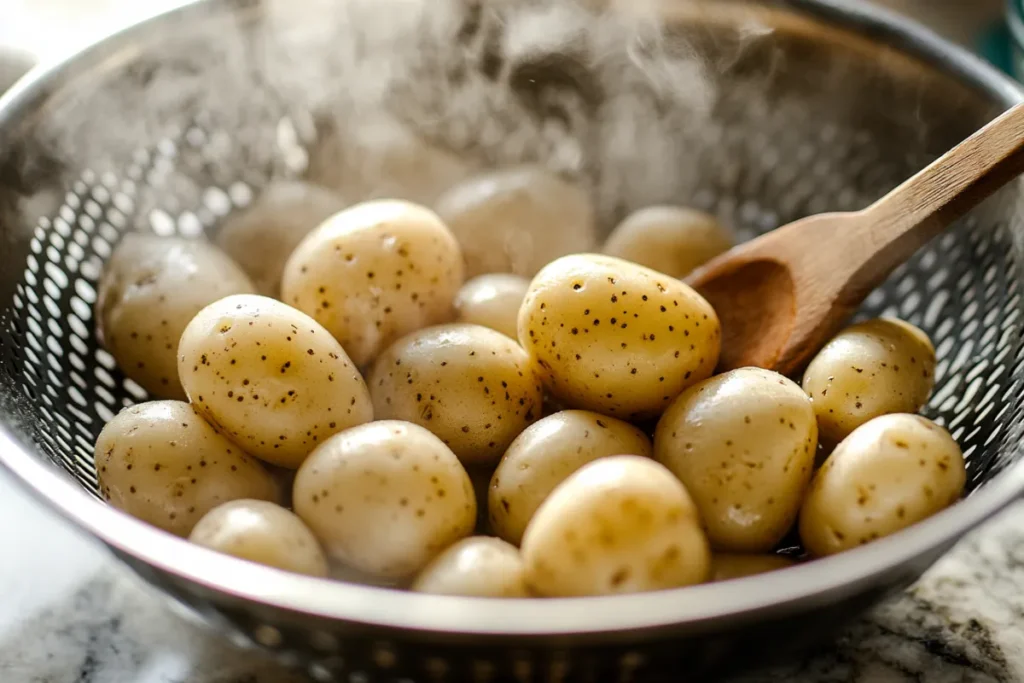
x: 618, y: 525
x: 375, y: 272
x: 162, y: 463
x: 479, y: 566
x: 544, y: 455
x: 669, y: 239
x: 385, y: 498
x: 151, y: 288
x: 261, y: 532
x: 743, y: 443
x: 270, y: 378
x: 890, y: 473
x: 492, y: 301
x: 517, y: 220
x: 616, y: 338
x: 469, y: 385
x: 869, y: 369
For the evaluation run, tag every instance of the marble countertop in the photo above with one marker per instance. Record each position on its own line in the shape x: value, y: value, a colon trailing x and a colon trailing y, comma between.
x: 73, y: 614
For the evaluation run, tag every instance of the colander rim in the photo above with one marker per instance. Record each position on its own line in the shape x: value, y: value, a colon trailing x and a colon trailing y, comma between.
x: 825, y: 580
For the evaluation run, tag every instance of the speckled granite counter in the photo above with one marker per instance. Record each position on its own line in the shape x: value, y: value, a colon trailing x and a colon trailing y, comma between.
x: 72, y: 614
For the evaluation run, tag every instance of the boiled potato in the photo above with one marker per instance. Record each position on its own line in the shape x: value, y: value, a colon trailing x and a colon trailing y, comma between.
x: 161, y: 462
x: 385, y: 498
x: 262, y: 237
x: 517, y: 220
x: 270, y: 378
x: 470, y: 385
x: 151, y: 288
x: 375, y: 272
x: 262, y: 532
x: 492, y: 301
x: 891, y: 472
x: 617, y: 338
x: 743, y: 443
x: 725, y: 566
x: 618, y: 525
x: 869, y: 369
x: 479, y: 566
x: 544, y: 455
x: 669, y: 239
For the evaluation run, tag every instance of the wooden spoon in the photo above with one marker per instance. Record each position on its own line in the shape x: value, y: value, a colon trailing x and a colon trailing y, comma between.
x: 781, y: 296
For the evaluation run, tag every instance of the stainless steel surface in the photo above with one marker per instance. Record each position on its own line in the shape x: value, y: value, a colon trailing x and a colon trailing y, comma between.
x: 815, y: 106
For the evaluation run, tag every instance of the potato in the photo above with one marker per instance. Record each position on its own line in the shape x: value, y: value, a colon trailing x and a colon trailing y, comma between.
x: 151, y: 288
x: 891, y: 472
x: 869, y: 369
x: 479, y: 566
x: 262, y: 532
x: 544, y: 455
x: 385, y: 498
x: 375, y: 272
x: 161, y: 462
x: 743, y: 443
x: 270, y: 378
x: 669, y: 239
x: 616, y: 338
x: 492, y: 301
x: 262, y: 237
x: 726, y: 566
x: 618, y: 525
x: 517, y: 220
x: 469, y: 385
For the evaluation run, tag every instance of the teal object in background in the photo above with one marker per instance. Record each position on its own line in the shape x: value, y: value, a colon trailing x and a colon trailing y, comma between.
x: 1004, y: 45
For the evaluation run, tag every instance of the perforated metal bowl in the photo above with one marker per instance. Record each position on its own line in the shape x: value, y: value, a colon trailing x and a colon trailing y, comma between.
x: 815, y: 105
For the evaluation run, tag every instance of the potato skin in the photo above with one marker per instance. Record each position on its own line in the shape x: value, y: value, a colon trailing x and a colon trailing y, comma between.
x: 517, y: 220
x: 616, y: 338
x: 478, y: 566
x: 492, y: 301
x: 469, y: 385
x: 385, y: 498
x: 270, y: 378
x: 261, y: 532
x: 374, y: 272
x: 261, y: 237
x: 618, y: 525
x: 669, y: 239
x: 743, y: 443
x: 869, y: 369
x: 890, y: 473
x: 726, y: 566
x: 151, y: 288
x: 545, y: 454
x: 162, y: 463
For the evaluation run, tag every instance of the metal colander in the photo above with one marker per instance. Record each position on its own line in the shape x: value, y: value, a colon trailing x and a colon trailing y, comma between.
x: 761, y: 112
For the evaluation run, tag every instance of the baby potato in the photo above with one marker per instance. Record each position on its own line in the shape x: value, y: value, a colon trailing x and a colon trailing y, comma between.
x: 669, y: 239
x: 262, y: 237
x: 479, y: 566
x: 162, y: 463
x: 622, y: 524
x: 385, y: 498
x: 262, y: 532
x: 517, y: 220
x: 890, y: 473
x: 270, y: 378
x: 151, y: 288
x: 375, y: 272
x: 544, y: 455
x: 743, y: 443
x: 492, y: 301
x: 869, y: 369
x: 725, y: 566
x: 469, y: 385
x: 611, y: 336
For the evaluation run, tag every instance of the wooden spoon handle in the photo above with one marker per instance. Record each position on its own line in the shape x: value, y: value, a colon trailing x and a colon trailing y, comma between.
x: 922, y: 207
